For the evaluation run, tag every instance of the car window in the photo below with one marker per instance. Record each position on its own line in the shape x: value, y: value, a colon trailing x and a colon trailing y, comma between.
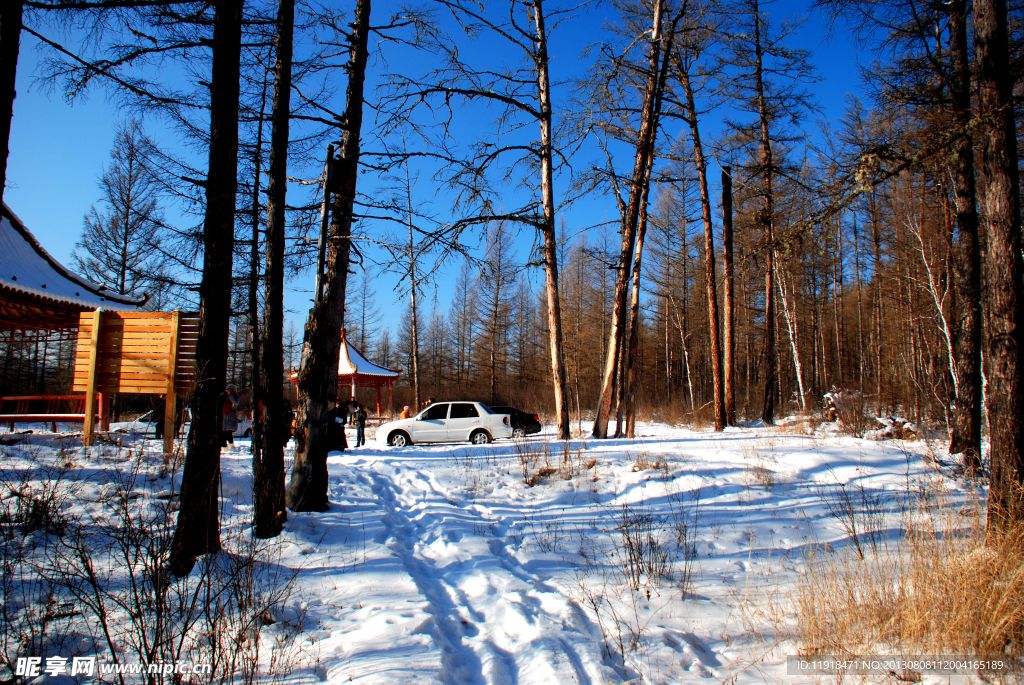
x: 435, y: 412
x: 464, y: 411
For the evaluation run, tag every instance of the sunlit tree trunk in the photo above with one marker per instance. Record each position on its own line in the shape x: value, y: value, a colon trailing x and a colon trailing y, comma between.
x: 1000, y: 209
x: 318, y: 372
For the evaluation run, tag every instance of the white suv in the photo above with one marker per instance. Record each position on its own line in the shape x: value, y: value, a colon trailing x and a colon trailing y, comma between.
x: 447, y: 422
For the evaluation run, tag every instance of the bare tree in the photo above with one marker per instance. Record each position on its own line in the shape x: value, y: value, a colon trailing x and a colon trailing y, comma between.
x: 684, y: 57
x: 1000, y: 202
x: 318, y: 372
x: 659, y: 49
x: 766, y: 81
x: 728, y: 315
x: 522, y: 94
x: 269, y: 498
x: 120, y: 244
x: 198, y: 525
x: 966, y: 433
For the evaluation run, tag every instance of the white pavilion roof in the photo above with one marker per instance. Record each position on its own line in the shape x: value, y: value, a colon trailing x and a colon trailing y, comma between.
x: 25, y: 266
x: 350, y: 362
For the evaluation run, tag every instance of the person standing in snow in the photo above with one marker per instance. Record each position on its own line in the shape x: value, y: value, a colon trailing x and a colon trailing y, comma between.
x: 287, y: 419
x: 359, y: 418
x: 406, y: 412
x: 336, y: 427
x: 229, y: 400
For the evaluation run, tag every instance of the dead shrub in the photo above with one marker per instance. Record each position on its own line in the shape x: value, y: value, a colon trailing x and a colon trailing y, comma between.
x: 645, y: 462
x: 847, y: 408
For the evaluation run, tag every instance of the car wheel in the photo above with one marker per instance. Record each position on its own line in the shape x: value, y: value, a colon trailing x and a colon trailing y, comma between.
x: 480, y: 438
x: 247, y: 433
x: 399, y: 439
x: 518, y: 433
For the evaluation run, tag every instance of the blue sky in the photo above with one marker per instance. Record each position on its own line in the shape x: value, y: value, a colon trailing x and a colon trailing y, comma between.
x: 58, y: 150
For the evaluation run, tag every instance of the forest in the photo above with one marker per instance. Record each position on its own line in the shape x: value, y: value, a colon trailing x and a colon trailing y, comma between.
x: 752, y: 256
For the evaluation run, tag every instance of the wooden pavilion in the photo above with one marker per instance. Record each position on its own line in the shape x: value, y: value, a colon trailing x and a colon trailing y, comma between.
x: 356, y: 371
x: 40, y: 305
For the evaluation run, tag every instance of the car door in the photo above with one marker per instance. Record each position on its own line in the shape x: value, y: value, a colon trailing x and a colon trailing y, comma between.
x: 463, y: 421
x: 430, y: 425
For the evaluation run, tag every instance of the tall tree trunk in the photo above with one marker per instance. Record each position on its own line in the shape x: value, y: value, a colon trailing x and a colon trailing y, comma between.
x: 633, y: 347
x: 198, y: 525
x: 417, y: 400
x: 767, y: 220
x: 837, y: 297
x: 728, y: 315
x: 255, y: 342
x: 709, y: 250
x: 644, y: 149
x: 1000, y: 201
x: 270, y: 505
x: 550, y: 249
x: 876, y: 237
x: 318, y: 373
x: 966, y: 434
x: 860, y: 310
x: 10, y: 39
x: 791, y: 328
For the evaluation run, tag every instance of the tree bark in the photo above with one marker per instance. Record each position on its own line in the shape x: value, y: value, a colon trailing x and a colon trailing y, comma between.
x: 709, y: 250
x: 966, y: 433
x: 255, y: 342
x: 270, y: 505
x: 644, y: 149
x: 1000, y: 207
x: 198, y: 525
x: 417, y: 400
x: 10, y: 39
x: 550, y: 250
x: 767, y: 221
x: 318, y: 373
x: 631, y: 375
x: 728, y: 315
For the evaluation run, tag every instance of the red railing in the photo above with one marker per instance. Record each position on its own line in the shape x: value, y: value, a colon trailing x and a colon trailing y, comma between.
x: 44, y: 408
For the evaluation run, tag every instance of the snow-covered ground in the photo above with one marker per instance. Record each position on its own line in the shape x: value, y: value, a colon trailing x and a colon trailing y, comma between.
x: 669, y: 558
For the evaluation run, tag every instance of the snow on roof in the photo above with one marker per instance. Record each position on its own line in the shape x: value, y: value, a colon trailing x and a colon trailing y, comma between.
x: 25, y: 266
x: 350, y: 362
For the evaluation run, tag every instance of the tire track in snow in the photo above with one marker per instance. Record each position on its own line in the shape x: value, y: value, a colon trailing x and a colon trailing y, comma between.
x: 459, y: 663
x: 484, y: 602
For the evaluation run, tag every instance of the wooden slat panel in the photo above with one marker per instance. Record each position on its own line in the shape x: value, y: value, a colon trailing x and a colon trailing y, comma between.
x: 107, y: 379
x: 161, y: 364
x: 157, y: 390
x: 135, y: 354
x: 144, y: 315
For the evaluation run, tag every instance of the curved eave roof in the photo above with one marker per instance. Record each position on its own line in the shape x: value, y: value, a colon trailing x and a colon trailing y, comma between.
x: 351, y: 363
x: 26, y: 267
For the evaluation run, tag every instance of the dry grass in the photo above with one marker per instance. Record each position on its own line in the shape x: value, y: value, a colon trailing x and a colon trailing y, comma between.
x: 537, y: 461
x: 644, y: 462
x: 761, y: 474
x: 939, y: 590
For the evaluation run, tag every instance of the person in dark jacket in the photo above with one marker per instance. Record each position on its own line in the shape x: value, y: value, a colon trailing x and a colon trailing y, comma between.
x: 158, y: 417
x: 359, y: 418
x: 336, y: 427
x: 287, y: 419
